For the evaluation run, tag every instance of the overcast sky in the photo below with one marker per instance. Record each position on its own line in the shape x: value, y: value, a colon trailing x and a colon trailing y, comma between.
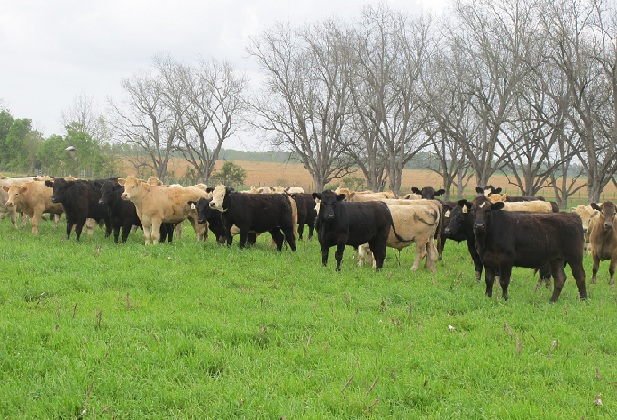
x: 53, y: 51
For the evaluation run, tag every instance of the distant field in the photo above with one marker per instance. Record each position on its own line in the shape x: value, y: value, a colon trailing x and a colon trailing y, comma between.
x: 288, y: 174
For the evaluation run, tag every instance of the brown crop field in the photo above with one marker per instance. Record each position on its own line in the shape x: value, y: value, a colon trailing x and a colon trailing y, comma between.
x: 293, y: 174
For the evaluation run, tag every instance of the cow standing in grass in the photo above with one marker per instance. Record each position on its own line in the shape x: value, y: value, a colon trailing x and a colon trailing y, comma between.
x: 511, y: 239
x: 603, y: 239
x: 343, y: 223
x: 256, y: 213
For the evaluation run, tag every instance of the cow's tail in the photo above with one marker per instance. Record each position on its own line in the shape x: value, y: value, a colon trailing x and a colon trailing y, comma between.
x: 396, y: 235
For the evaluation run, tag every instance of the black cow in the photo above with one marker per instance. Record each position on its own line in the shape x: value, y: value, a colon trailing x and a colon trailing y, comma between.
x: 80, y: 200
x: 511, y: 239
x: 489, y: 189
x: 256, y: 213
x: 213, y: 218
x: 428, y: 193
x: 306, y: 213
x: 460, y: 228
x: 343, y: 223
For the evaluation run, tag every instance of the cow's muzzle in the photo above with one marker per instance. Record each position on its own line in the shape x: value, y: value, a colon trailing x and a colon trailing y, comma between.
x: 9, y: 204
x: 608, y: 226
x: 479, y: 227
x: 124, y: 196
x: 54, y: 199
x: 101, y: 202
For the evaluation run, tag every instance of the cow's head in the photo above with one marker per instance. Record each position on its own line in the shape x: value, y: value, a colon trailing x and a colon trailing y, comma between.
x: 457, y: 217
x: 132, y: 188
x: 203, y: 209
x: 587, y: 214
x: 218, y: 197
x: 60, y: 187
x: 110, y: 192
x: 488, y: 190
x: 428, y: 193
x: 14, y: 194
x: 327, y: 204
x: 481, y: 209
x: 607, y: 214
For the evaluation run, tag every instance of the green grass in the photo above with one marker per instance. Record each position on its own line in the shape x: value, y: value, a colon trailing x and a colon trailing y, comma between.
x: 197, y: 330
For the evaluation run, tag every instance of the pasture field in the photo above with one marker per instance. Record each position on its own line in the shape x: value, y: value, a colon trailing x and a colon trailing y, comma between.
x: 197, y: 330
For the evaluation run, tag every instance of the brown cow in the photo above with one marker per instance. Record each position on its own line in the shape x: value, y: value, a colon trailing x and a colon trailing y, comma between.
x: 158, y: 204
x: 33, y: 199
x: 589, y: 217
x: 603, y: 239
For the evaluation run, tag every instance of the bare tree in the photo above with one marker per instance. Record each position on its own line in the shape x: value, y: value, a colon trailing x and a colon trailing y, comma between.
x: 84, y: 116
x: 206, y: 99
x: 305, y: 95
x: 147, y: 122
x: 584, y: 51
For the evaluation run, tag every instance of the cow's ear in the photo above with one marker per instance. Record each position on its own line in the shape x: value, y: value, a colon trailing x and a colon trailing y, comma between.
x: 462, y: 202
x: 98, y: 184
x: 122, y: 181
x: 415, y: 190
x: 340, y: 197
x: 191, y: 203
x: 209, y: 190
x: 496, y: 190
x: 440, y: 192
x: 497, y: 206
x: 595, y: 206
x: 480, y: 190
x: 23, y: 190
x: 49, y: 183
x: 5, y: 188
x: 316, y: 196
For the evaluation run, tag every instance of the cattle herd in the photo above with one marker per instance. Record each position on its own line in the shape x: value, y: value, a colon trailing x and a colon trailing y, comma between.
x: 501, y: 231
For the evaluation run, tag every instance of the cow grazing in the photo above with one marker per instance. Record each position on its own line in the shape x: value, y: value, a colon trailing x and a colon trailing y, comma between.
x: 157, y: 204
x: 416, y: 224
x: 603, y: 239
x: 428, y: 193
x: 343, y: 223
x: 306, y: 213
x: 490, y: 190
x: 33, y: 199
x: 511, y: 239
x: 589, y: 217
x: 80, y: 200
x: 257, y: 213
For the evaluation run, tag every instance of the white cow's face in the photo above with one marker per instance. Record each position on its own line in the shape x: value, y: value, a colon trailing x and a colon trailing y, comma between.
x: 218, y: 195
x: 131, y: 187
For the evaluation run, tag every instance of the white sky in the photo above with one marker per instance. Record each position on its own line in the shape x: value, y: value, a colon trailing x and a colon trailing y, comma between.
x: 53, y: 51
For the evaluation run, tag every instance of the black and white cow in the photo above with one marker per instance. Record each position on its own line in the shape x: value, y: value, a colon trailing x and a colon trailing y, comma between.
x: 343, y: 223
x: 256, y: 213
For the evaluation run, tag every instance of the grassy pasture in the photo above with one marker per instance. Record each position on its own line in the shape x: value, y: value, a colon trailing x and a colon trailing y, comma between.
x: 196, y: 330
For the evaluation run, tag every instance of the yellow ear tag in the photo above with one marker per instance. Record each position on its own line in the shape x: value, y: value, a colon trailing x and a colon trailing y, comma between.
x: 447, y: 214
x: 464, y: 209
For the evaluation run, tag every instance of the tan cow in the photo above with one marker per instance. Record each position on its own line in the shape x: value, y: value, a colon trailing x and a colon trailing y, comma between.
x: 12, y: 212
x: 415, y: 224
x: 33, y: 199
x: 603, y: 239
x: 158, y: 204
x: 589, y: 216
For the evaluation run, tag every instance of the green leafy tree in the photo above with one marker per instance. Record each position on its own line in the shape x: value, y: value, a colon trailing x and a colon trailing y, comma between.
x: 13, y: 147
x: 52, y: 156
x: 230, y: 174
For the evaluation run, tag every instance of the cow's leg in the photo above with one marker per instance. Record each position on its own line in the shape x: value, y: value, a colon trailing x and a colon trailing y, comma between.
x: 155, y: 233
x: 311, y: 230
x: 244, y: 233
x: 290, y: 237
x: 278, y: 238
x: 146, y: 227
x: 56, y: 220
x: 611, y: 271
x: 379, y: 253
x: 596, y: 266
x: 14, y: 216
x: 300, y: 230
x: 477, y: 262
x: 559, y: 278
x: 545, y: 276
x: 324, y: 254
x: 505, y: 272
x: 489, y: 280
x: 69, y: 228
x: 340, y: 249
x: 431, y: 255
x: 79, y: 227
x: 362, y: 254
x: 578, y: 272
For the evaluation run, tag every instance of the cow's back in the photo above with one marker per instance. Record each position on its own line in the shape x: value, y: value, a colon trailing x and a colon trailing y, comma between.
x: 259, y: 212
x: 361, y: 221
